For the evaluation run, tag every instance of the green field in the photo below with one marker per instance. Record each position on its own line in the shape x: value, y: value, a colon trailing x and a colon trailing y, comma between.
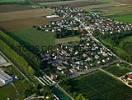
x: 35, y: 37
x: 19, y: 61
x: 17, y: 90
x: 12, y: 1
x: 123, y: 18
x: 126, y: 44
x: 118, y: 71
x: 98, y: 86
x: 122, y: 48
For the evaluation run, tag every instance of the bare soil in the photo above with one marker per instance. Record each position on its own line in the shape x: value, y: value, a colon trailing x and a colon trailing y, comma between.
x: 25, y: 14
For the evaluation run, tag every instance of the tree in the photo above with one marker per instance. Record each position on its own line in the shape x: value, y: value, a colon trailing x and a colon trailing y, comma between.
x: 80, y: 97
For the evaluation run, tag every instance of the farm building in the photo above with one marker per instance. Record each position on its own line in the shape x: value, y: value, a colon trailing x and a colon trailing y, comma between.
x: 52, y: 16
x: 4, y: 78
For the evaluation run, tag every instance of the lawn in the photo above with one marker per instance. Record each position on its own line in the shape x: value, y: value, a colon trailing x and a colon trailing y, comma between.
x: 35, y: 37
x: 98, y: 86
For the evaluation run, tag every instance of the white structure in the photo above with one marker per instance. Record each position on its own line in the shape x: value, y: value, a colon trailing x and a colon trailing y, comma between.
x: 4, y: 78
x: 52, y: 16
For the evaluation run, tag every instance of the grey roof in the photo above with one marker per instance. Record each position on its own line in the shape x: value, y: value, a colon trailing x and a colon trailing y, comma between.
x: 4, y: 76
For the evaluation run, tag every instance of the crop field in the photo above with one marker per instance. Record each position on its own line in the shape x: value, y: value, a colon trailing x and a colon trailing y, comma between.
x: 35, y: 37
x: 77, y: 3
x: 124, y: 18
x: 24, y: 14
x: 20, y: 24
x: 119, y: 70
x: 14, y: 90
x: 17, y: 88
x: 111, y: 7
x: 11, y: 1
x: 125, y: 1
x: 13, y: 7
x: 98, y: 86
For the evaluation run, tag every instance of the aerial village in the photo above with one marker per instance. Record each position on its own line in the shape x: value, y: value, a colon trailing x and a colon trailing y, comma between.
x: 75, y: 58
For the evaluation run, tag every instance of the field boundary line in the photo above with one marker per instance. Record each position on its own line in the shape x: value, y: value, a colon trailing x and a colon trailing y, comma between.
x: 113, y: 76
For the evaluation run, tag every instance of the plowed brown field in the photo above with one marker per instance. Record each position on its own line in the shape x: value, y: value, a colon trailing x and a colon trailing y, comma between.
x: 24, y: 14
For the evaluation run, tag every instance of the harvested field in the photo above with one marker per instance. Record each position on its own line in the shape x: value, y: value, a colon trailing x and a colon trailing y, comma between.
x: 125, y: 1
x: 12, y: 1
x: 25, y: 14
x: 22, y: 23
x: 72, y: 3
x: 13, y: 7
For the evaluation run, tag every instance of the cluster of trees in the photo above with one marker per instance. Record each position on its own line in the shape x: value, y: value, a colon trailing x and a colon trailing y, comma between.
x: 19, y: 61
x: 115, y: 37
x: 67, y: 33
x: 39, y: 91
x: 113, y: 41
x: 19, y: 48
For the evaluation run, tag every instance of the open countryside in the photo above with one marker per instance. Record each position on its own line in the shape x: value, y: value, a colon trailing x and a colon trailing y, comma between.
x: 65, y: 49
